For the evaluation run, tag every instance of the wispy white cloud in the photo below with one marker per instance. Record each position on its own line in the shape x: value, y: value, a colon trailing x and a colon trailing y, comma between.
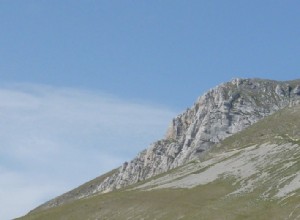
x: 52, y: 139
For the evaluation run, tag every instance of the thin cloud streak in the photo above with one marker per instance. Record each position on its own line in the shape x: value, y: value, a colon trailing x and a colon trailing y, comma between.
x: 49, y: 135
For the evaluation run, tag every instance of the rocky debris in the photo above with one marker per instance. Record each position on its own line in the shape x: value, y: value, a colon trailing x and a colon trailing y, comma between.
x: 219, y: 113
x: 280, y: 91
x: 245, y: 165
x: 297, y: 90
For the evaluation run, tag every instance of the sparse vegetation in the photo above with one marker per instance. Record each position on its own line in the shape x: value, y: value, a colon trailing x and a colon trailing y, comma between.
x: 210, y: 201
x: 281, y: 127
x: 203, y: 202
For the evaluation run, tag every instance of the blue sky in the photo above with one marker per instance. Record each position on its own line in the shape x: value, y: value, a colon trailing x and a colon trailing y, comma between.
x: 165, y: 52
x: 90, y: 83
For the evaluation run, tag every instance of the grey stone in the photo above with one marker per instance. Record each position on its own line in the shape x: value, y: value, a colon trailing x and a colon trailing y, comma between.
x: 297, y: 90
x: 219, y: 113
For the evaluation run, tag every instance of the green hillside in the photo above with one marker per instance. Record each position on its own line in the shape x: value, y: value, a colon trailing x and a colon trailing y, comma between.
x: 254, y: 174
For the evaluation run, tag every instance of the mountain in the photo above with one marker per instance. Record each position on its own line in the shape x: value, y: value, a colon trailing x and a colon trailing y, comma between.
x: 233, y: 155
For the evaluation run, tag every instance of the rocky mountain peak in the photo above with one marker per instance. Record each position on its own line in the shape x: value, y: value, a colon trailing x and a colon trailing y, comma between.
x: 216, y: 115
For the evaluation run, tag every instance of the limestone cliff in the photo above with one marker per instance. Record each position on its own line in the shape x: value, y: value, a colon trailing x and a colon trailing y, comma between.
x: 219, y: 113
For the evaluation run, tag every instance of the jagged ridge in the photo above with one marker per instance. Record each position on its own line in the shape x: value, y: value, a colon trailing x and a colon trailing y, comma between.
x: 254, y: 174
x: 219, y: 113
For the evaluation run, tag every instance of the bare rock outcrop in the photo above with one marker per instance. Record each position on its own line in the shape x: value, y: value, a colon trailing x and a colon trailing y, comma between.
x: 219, y: 113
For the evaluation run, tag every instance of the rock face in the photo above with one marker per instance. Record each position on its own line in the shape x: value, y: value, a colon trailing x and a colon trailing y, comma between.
x: 219, y: 113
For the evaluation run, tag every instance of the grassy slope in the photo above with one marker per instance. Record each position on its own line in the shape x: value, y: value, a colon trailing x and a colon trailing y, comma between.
x: 203, y: 202
x: 77, y: 192
x: 281, y: 127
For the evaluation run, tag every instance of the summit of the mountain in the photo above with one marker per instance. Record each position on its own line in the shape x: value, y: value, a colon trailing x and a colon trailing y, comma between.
x: 218, y: 114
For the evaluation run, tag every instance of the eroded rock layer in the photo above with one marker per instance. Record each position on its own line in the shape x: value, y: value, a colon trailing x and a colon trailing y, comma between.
x: 216, y: 115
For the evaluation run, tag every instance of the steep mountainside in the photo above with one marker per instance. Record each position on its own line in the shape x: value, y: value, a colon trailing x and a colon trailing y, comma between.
x: 221, y: 112
x: 254, y: 174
